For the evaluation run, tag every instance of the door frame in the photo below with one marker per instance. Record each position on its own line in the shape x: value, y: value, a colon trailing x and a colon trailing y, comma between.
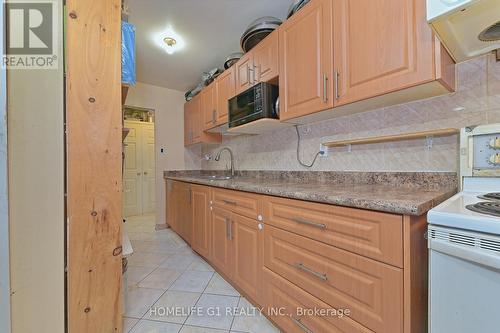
x: 153, y: 111
x: 5, y: 310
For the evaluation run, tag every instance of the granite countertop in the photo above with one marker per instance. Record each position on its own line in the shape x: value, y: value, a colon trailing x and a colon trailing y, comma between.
x: 402, y: 193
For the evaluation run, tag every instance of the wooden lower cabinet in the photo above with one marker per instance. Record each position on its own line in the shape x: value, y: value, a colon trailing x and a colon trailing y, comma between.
x: 283, y: 302
x: 202, y: 231
x: 300, y: 257
x: 179, y: 216
x: 222, y: 252
x: 370, y: 289
x: 247, y: 242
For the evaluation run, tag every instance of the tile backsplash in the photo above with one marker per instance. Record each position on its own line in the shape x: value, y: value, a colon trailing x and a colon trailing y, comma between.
x: 477, y: 101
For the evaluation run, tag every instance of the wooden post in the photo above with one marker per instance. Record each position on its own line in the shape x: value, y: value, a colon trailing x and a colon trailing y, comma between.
x: 94, y: 135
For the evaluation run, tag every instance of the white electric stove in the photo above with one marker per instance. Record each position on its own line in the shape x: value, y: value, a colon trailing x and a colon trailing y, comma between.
x: 464, y: 241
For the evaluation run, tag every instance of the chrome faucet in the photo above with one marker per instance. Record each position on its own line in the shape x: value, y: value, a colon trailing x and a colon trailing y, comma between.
x: 217, y: 158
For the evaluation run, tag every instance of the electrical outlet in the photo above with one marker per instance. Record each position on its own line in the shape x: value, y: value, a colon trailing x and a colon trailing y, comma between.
x: 323, y: 149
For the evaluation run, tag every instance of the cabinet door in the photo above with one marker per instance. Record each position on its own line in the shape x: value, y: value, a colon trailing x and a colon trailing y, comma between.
x: 266, y: 58
x: 201, y: 220
x: 172, y: 203
x: 225, y: 90
x: 188, y: 129
x: 380, y: 47
x: 184, y: 216
x: 248, y: 255
x: 244, y: 73
x: 221, y: 240
x: 196, y: 120
x: 209, y: 105
x: 306, y: 61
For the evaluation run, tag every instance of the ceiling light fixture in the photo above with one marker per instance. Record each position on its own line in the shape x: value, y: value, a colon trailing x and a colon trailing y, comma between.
x: 169, y: 40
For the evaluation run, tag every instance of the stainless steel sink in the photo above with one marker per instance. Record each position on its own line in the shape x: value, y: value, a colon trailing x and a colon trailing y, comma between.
x: 217, y: 177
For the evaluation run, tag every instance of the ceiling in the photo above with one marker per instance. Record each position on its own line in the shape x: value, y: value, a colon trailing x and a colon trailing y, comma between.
x: 210, y: 28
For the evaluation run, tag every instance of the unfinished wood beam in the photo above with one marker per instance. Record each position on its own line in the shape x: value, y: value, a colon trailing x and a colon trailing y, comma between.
x: 94, y: 136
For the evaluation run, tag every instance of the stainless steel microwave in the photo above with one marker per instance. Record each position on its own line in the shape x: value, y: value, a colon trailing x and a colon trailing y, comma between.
x: 257, y: 102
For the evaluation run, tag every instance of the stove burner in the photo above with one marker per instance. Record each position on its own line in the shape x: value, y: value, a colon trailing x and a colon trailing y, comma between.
x: 488, y: 208
x: 490, y: 196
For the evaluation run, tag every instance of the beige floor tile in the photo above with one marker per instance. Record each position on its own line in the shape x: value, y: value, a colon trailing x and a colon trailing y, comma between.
x: 178, y: 301
x: 248, y: 319
x: 161, y: 278
x: 147, y: 259
x: 128, y: 323
x: 147, y: 326
x: 200, y: 265
x: 192, y: 281
x: 136, y: 274
x: 216, y: 311
x: 196, y: 329
x: 219, y: 286
x: 139, y: 301
x: 179, y: 261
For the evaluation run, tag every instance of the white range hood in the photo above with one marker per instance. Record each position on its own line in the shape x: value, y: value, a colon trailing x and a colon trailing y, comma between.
x: 467, y: 28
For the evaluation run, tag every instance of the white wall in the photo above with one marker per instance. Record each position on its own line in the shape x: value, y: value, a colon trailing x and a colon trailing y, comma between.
x: 36, y: 197
x: 4, y: 208
x: 169, y: 134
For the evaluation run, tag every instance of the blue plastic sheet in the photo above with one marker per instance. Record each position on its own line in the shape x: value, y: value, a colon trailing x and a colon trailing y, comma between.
x: 128, y: 53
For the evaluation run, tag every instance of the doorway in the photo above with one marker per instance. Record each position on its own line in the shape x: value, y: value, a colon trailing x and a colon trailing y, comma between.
x: 139, y: 183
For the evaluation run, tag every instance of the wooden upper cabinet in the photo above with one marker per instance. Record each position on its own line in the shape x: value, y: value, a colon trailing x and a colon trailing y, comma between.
x: 200, y: 202
x: 209, y: 105
x: 245, y: 75
x: 226, y: 89
x: 383, y: 46
x: 187, y: 123
x: 265, y: 58
x: 306, y: 60
x: 193, y: 124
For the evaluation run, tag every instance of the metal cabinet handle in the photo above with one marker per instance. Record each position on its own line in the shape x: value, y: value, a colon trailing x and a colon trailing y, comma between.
x: 306, y: 222
x: 226, y: 221
x: 214, y: 116
x: 254, y: 73
x: 248, y: 74
x: 229, y: 202
x: 138, y: 174
x: 303, y: 327
x: 325, y: 88
x: 301, y: 266
x: 145, y: 173
x: 190, y: 195
x: 230, y: 230
x: 337, y: 79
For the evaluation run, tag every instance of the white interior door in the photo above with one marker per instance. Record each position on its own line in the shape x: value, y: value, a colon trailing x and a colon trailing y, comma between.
x: 132, y: 170
x: 148, y: 169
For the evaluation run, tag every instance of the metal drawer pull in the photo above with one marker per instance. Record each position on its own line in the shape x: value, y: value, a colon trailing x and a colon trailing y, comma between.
x: 312, y: 224
x: 229, y: 202
x: 303, y: 327
x: 230, y: 230
x: 306, y: 269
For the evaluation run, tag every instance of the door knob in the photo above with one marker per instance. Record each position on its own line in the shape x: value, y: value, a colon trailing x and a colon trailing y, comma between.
x: 138, y: 174
x: 145, y: 173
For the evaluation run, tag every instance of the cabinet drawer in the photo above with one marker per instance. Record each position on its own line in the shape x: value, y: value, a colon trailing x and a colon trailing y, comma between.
x: 246, y: 204
x: 372, y: 234
x: 373, y: 291
x: 281, y: 294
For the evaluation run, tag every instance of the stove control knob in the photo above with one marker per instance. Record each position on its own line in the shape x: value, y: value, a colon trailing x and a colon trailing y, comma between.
x: 495, y: 159
x: 495, y: 143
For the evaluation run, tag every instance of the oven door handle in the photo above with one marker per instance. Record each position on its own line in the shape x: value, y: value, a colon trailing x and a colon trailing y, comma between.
x: 473, y: 254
